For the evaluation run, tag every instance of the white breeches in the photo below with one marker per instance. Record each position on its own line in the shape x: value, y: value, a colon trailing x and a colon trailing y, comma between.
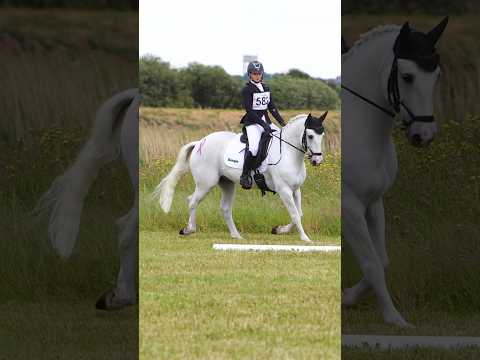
x: 254, y: 132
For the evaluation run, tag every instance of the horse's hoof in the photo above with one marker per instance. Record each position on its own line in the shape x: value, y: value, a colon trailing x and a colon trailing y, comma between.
x: 182, y: 232
x: 108, y: 302
x: 397, y: 320
x: 275, y: 230
x: 349, y: 297
x: 104, y: 300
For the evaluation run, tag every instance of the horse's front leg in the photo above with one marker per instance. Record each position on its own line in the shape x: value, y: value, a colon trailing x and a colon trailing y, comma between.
x: 285, y: 229
x: 375, y: 216
x: 356, y: 232
x: 286, y: 194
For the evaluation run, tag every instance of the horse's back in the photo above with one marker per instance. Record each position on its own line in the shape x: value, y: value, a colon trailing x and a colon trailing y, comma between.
x: 206, y: 159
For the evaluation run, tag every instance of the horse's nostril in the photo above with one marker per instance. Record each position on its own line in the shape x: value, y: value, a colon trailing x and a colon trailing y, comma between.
x: 416, y: 139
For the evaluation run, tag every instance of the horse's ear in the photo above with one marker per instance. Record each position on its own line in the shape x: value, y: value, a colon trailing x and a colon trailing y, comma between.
x: 322, y: 118
x: 404, y: 32
x: 308, y: 120
x: 437, y: 31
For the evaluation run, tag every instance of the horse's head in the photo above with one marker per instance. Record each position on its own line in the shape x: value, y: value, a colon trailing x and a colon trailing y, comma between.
x: 412, y: 80
x: 312, y: 140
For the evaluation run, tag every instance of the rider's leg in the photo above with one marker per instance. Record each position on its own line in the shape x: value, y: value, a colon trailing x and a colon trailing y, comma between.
x: 254, y: 133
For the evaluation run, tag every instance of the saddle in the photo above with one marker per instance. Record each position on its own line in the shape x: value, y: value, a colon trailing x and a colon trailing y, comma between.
x: 269, y: 153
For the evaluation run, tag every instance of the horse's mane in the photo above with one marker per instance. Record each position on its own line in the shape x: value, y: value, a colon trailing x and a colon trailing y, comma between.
x: 296, y: 119
x: 369, y: 35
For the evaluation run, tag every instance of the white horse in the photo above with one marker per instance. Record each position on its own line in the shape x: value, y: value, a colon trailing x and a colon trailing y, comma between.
x: 390, y: 70
x: 116, y: 126
x: 206, y: 161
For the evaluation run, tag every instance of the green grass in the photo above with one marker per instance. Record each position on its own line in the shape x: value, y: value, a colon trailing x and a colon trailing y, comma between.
x: 53, y: 329
x: 252, y: 212
x: 197, y: 303
x: 432, y: 214
x: 410, y: 354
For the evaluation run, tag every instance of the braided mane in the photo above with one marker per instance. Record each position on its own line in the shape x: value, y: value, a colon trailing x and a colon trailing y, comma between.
x: 370, y: 35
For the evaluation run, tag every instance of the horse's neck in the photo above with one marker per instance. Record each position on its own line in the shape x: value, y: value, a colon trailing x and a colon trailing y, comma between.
x: 293, y: 134
x: 365, y: 72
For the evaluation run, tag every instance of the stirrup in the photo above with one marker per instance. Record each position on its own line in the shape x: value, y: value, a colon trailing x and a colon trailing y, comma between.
x: 246, y: 182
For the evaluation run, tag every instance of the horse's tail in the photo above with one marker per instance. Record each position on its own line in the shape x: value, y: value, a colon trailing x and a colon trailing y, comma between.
x: 64, y: 200
x: 165, y: 190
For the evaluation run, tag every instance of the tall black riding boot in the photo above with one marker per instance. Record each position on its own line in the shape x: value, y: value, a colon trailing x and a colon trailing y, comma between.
x: 246, y: 179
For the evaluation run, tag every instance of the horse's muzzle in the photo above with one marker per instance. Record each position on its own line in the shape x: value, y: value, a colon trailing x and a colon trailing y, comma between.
x: 316, y: 160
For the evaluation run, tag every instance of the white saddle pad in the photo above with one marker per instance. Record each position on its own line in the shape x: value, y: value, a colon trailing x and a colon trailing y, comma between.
x: 234, y: 153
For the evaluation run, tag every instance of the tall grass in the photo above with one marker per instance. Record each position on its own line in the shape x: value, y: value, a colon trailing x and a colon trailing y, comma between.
x: 164, y: 130
x: 52, y: 77
x: 57, y: 70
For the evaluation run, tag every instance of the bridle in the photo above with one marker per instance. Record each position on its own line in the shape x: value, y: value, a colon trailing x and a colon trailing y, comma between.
x: 394, y: 99
x: 305, y: 148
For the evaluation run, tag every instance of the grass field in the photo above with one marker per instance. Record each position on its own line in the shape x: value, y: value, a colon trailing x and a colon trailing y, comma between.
x: 198, y: 303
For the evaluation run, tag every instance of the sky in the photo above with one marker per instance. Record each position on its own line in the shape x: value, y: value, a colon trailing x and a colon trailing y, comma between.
x: 284, y: 34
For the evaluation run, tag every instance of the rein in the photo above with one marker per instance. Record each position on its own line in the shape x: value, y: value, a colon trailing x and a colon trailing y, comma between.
x: 386, y: 111
x: 304, y: 143
x: 285, y: 141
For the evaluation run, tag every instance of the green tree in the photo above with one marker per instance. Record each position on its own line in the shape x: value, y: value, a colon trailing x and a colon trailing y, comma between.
x: 300, y: 93
x: 161, y: 85
x: 211, y: 86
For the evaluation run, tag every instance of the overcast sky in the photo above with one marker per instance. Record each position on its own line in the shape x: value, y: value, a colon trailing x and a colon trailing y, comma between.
x: 284, y: 34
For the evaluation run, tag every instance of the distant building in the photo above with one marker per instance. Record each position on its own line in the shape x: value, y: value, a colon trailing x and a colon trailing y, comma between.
x: 246, y: 60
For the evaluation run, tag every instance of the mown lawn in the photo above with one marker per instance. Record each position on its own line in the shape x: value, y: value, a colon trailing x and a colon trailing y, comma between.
x: 197, y: 303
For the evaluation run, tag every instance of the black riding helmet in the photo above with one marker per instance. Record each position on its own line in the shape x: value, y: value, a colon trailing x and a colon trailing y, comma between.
x: 255, y: 66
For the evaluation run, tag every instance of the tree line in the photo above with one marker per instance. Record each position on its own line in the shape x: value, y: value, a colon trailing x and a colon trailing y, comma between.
x: 206, y: 86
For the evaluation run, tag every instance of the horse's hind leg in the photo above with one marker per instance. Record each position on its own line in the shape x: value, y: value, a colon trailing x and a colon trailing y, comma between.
x: 125, y: 292
x: 226, y: 204
x: 285, y: 229
x: 193, y: 200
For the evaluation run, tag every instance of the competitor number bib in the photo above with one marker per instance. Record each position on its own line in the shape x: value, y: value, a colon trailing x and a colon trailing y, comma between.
x: 261, y: 100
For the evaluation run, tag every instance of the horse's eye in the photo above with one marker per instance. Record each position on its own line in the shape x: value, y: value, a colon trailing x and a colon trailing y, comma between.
x: 408, y: 78
x: 310, y: 137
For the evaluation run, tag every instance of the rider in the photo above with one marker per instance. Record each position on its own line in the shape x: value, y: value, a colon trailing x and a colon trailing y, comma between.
x: 256, y: 99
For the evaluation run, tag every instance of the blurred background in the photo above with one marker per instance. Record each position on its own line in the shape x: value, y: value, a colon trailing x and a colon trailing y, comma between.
x: 60, y: 61
x: 432, y: 211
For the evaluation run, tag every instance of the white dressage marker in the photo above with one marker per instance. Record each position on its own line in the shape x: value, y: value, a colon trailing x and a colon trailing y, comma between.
x: 385, y: 342
x: 296, y: 248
